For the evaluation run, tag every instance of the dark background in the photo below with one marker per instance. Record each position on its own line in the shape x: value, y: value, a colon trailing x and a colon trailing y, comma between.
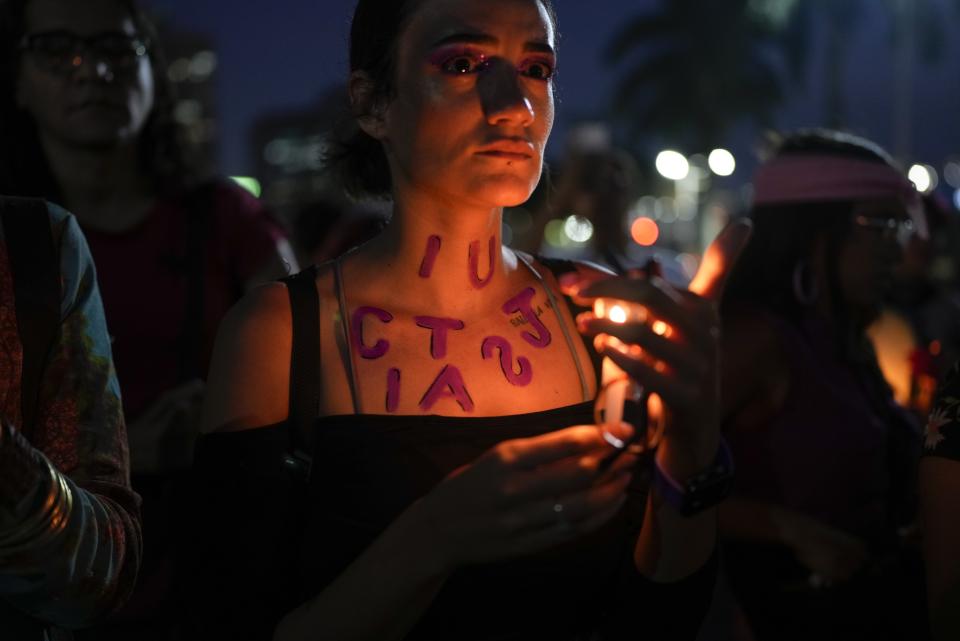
x: 281, y: 55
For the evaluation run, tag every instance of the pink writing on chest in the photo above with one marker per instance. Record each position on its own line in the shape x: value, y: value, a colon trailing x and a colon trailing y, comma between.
x: 393, y: 389
x: 521, y: 378
x: 438, y: 332
x: 474, y: 256
x: 521, y: 303
x: 429, y: 256
x: 448, y: 384
x: 356, y: 332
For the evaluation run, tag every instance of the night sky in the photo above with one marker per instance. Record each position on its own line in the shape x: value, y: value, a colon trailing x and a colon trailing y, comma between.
x: 279, y: 54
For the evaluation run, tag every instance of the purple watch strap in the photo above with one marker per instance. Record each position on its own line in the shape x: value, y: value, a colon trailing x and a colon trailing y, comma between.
x: 700, y: 491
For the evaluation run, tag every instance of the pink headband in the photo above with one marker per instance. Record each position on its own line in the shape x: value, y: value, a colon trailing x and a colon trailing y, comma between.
x: 800, y: 178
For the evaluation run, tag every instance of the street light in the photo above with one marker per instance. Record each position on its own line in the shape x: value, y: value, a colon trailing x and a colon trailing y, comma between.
x: 924, y: 177
x: 672, y: 165
x: 722, y: 162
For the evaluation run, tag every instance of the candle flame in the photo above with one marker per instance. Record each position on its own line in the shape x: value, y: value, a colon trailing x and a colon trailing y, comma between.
x: 618, y: 314
x: 660, y: 328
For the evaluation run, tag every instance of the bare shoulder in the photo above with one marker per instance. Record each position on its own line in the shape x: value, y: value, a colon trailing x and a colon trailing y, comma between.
x: 249, y: 373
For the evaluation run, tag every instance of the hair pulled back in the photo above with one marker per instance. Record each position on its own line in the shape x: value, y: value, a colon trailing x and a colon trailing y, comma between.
x: 357, y: 158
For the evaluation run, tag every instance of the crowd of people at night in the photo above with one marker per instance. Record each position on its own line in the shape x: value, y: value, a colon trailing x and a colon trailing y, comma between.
x: 384, y: 419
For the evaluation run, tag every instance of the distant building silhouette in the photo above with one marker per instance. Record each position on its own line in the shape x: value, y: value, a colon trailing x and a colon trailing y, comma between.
x: 191, y: 67
x: 289, y: 148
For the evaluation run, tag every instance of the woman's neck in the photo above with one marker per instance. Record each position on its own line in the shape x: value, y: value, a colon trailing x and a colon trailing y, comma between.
x: 104, y: 188
x: 453, y: 255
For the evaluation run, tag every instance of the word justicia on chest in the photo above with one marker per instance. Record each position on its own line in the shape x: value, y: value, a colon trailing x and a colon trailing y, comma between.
x: 449, y: 382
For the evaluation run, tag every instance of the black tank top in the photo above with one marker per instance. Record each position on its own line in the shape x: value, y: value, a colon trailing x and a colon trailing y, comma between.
x: 279, y: 540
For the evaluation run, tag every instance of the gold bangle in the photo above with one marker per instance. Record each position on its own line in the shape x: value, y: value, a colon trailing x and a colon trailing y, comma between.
x: 47, y: 523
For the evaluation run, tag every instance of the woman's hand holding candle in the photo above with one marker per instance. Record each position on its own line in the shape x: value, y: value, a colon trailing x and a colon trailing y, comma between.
x: 671, y: 348
x: 615, y: 384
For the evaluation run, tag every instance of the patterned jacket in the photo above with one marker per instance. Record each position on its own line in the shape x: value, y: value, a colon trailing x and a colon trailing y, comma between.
x: 69, y: 520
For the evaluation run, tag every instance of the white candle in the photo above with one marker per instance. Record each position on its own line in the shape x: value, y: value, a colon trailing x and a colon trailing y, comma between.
x: 615, y: 383
x: 613, y: 379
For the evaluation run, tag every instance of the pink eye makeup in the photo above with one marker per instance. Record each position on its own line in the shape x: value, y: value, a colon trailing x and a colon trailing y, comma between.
x: 540, y: 68
x: 461, y: 60
x: 458, y: 60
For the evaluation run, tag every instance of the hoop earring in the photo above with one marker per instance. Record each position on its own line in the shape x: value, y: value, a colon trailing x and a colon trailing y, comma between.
x: 805, y: 289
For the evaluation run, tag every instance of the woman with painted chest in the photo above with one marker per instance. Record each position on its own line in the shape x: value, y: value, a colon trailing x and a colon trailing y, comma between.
x: 459, y: 487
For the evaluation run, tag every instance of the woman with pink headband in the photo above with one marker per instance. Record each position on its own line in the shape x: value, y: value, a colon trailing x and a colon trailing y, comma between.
x: 824, y: 457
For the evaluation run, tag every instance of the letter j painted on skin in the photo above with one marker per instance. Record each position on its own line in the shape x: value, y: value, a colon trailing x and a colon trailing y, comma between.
x: 521, y: 303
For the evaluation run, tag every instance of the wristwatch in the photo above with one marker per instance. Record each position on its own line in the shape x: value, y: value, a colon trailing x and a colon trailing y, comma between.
x: 701, y: 491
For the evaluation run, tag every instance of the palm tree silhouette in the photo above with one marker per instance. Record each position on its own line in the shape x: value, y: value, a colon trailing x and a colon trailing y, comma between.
x: 917, y: 32
x: 696, y: 68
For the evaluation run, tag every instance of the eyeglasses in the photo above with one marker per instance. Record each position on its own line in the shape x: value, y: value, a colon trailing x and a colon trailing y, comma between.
x: 63, y: 52
x: 900, y: 228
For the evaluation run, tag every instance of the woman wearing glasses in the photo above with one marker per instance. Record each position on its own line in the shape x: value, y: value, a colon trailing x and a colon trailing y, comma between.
x: 825, y: 458
x: 459, y: 486
x: 86, y: 121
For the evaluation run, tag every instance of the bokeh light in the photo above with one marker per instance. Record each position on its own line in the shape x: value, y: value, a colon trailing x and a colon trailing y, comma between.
x: 578, y: 229
x: 644, y: 231
x: 250, y: 184
x: 924, y: 177
x: 554, y: 234
x: 672, y: 165
x: 722, y: 162
x: 951, y: 173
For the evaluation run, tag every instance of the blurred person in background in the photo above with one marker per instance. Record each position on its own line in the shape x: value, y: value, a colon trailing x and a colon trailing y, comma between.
x: 327, y: 227
x: 69, y: 521
x: 917, y: 337
x: 86, y: 121
x: 815, y: 532
x: 596, y: 182
x: 940, y: 508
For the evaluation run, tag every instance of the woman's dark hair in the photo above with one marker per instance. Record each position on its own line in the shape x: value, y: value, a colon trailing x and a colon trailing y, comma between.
x: 784, y: 236
x: 24, y: 170
x: 358, y: 158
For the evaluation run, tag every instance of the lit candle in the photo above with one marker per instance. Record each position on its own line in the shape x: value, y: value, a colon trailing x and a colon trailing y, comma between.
x: 615, y: 383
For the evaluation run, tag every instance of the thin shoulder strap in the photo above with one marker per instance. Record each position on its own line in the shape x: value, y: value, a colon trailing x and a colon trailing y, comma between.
x: 35, y: 265
x: 304, y: 363
x: 344, y: 336
x: 584, y: 388
x: 558, y: 267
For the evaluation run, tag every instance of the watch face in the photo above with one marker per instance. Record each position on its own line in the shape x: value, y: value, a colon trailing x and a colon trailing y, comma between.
x: 708, y: 492
x: 703, y: 490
